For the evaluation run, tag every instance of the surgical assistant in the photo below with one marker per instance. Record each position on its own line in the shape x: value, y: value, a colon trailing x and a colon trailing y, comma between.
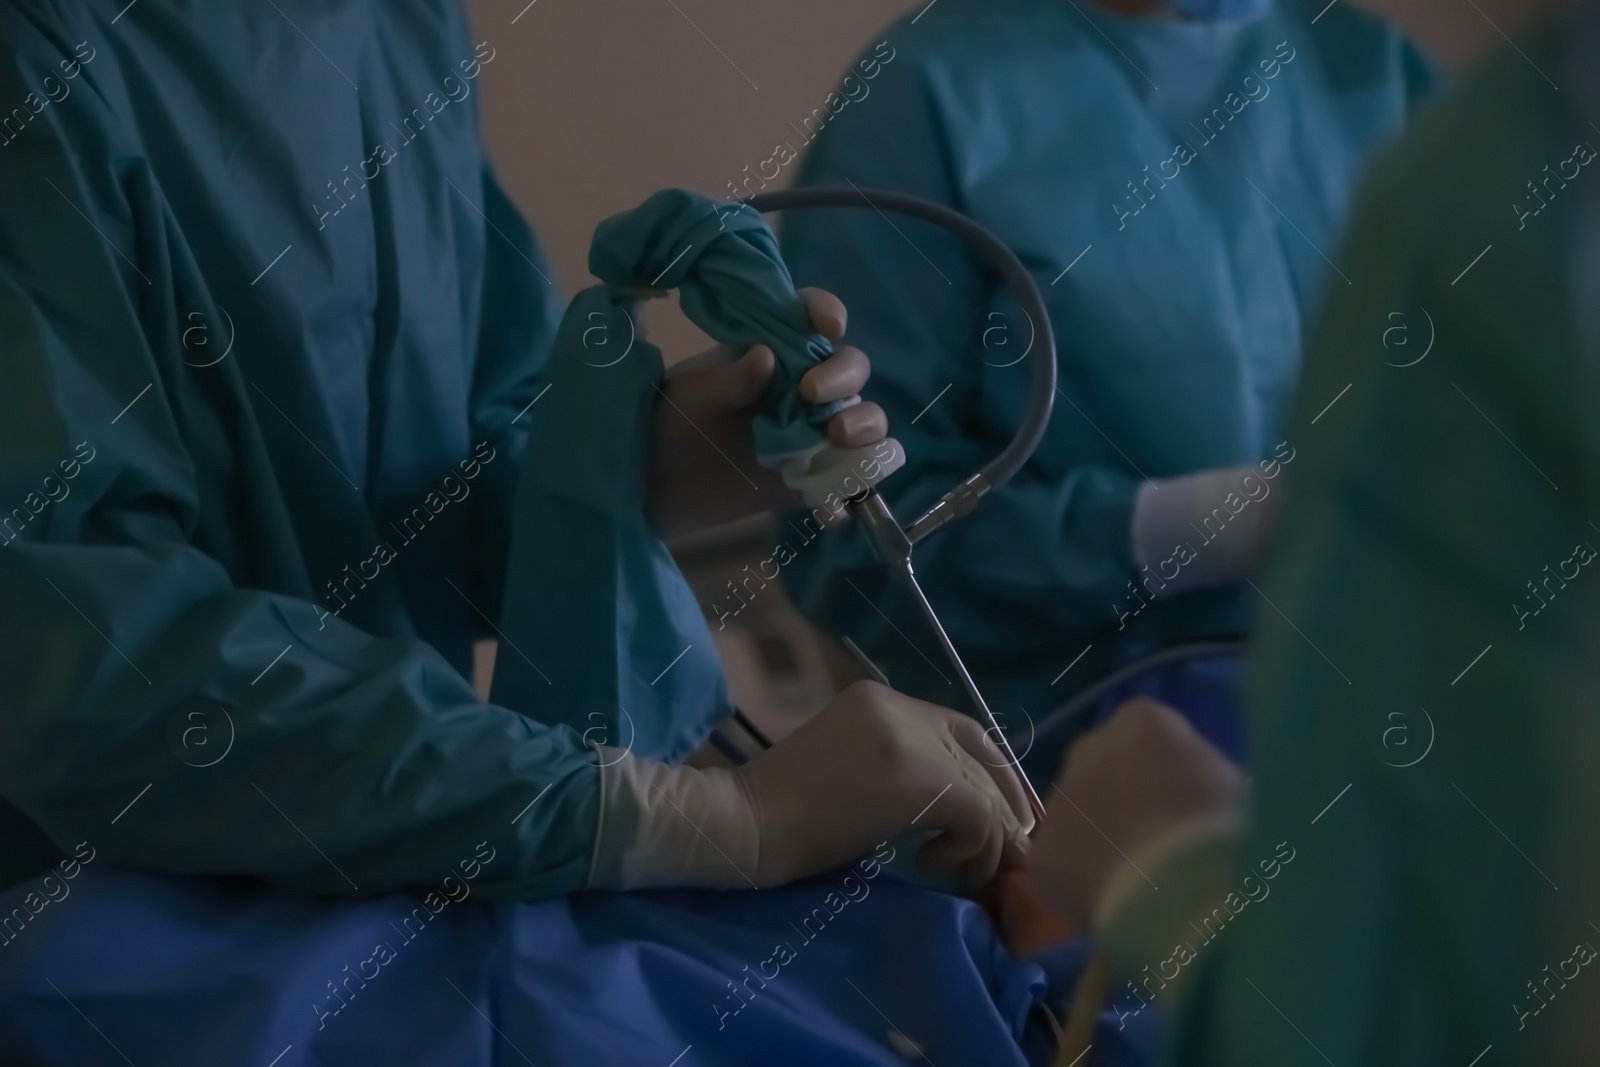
x: 264, y: 309
x: 1408, y: 576
x: 1174, y: 183
x: 1426, y: 723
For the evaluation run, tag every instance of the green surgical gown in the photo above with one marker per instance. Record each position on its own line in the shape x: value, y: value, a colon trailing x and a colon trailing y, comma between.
x: 270, y: 333
x: 1425, y: 702
x: 1173, y: 187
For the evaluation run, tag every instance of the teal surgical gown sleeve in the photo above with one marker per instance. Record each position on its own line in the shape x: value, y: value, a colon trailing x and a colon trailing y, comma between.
x: 270, y: 344
x: 1177, y: 234
x: 1424, y: 698
x: 632, y: 663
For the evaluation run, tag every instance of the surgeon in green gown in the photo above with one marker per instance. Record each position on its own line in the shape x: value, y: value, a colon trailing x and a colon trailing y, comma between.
x: 1416, y: 882
x: 263, y: 307
x: 1175, y: 176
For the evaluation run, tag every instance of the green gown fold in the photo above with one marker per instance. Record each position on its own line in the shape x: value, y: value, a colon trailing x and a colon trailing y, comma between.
x: 270, y: 334
x: 1424, y: 698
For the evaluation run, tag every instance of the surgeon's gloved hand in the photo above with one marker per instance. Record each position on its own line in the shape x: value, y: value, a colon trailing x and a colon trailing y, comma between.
x: 871, y: 765
x: 1201, y: 529
x: 703, y: 468
x: 1131, y: 790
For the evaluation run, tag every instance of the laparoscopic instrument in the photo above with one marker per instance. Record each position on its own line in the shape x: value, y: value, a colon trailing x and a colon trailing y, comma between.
x: 891, y: 541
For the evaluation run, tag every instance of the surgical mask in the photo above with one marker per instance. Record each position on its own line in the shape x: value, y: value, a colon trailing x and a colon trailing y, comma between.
x: 1217, y: 10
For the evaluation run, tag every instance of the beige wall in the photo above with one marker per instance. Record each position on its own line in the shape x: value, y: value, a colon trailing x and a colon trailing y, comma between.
x: 591, y: 105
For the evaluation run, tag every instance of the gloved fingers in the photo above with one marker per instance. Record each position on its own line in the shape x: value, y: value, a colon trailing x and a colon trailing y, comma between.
x: 1010, y: 816
x: 966, y: 855
x: 827, y: 312
x: 745, y: 380
x: 998, y: 854
x: 980, y: 829
x: 975, y: 740
x: 706, y: 359
x: 1014, y: 852
x: 839, y: 377
x: 978, y: 839
x: 718, y: 381
x: 858, y: 425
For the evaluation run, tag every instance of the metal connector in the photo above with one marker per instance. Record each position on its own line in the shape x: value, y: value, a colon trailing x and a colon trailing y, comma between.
x: 889, y: 543
x: 956, y: 504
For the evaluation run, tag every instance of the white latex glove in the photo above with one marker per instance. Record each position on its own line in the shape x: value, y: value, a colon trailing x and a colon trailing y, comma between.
x: 1201, y: 529
x: 871, y: 765
x: 841, y: 473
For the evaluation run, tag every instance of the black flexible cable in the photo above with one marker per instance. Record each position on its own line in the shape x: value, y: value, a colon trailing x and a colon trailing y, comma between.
x: 993, y: 251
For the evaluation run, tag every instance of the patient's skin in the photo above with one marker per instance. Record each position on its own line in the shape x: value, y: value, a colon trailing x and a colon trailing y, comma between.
x: 1028, y: 925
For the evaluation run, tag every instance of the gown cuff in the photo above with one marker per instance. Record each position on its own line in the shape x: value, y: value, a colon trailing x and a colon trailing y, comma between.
x: 1202, y: 529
